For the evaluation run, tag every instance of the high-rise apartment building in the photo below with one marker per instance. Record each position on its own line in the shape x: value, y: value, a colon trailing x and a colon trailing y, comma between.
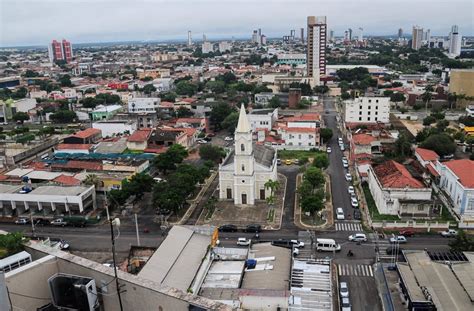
x: 400, y: 33
x: 60, y: 51
x: 361, y: 34
x: 331, y: 35
x: 302, y: 35
x: 316, y: 58
x: 417, y: 37
x: 454, y: 42
x: 190, y: 40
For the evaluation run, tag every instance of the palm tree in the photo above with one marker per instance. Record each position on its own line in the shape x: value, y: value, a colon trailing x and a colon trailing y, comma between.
x: 92, y: 180
x: 426, y: 98
x: 273, y: 185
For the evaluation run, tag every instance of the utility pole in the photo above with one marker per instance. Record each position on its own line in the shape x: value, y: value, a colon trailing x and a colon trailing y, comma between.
x: 112, y: 237
x: 136, y: 228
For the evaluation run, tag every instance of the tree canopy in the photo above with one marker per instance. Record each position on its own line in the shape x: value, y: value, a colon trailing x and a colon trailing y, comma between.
x: 442, y: 144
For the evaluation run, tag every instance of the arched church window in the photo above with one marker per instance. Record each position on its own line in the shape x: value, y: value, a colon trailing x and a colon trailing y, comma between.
x: 243, y: 168
x: 242, y: 147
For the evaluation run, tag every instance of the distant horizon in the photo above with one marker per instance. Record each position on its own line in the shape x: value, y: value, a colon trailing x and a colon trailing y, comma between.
x: 36, y: 22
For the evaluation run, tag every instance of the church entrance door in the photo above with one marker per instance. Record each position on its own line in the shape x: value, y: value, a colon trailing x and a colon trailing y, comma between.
x: 262, y: 194
x: 244, y: 198
x: 229, y: 193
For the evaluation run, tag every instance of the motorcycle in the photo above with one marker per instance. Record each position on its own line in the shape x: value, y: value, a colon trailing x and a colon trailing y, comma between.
x: 350, y: 253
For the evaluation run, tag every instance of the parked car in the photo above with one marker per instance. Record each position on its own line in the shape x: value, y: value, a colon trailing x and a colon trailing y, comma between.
x: 282, y: 243
x: 346, y: 304
x: 343, y: 290
x: 278, y: 161
x: 77, y: 222
x: 297, y: 243
x: 354, y: 202
x: 340, y: 141
x: 348, y: 177
x: 296, y: 161
x: 59, y: 222
x: 449, y: 233
x: 350, y: 189
x: 228, y: 138
x: 288, y: 162
x: 398, y: 239
x: 345, y: 163
x: 339, y: 213
x: 201, y: 141
x: 228, y: 228
x: 406, y: 232
x: 296, y: 251
x: 357, y: 215
x: 253, y: 228
x: 342, y: 147
x: 244, y: 241
x: 358, y: 237
x: 22, y: 221
x: 41, y: 222
x: 328, y: 150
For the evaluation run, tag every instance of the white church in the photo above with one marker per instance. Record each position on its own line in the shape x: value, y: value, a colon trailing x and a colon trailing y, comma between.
x: 244, y: 172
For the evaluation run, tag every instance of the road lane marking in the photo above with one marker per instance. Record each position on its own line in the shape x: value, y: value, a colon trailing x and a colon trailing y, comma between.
x: 370, y: 270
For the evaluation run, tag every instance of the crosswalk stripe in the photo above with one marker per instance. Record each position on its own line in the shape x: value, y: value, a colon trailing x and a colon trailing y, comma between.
x: 370, y: 271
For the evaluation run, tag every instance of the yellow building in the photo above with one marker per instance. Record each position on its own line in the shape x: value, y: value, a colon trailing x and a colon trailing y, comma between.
x: 462, y: 81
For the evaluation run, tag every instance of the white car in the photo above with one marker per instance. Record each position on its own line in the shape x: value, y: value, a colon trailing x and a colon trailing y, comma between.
x: 358, y: 237
x: 328, y: 150
x: 296, y: 251
x: 346, y: 304
x: 339, y: 213
x: 354, y: 202
x: 351, y: 190
x: 340, y: 141
x: 342, y: 147
x: 201, y: 141
x: 348, y: 177
x: 343, y: 290
x: 449, y: 233
x: 398, y: 239
x: 297, y: 243
x: 244, y: 241
x: 228, y: 138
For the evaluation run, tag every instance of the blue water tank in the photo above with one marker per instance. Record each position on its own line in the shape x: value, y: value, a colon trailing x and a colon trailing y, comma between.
x: 250, y: 263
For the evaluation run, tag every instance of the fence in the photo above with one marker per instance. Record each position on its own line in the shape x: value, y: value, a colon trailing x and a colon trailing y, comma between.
x: 411, y: 224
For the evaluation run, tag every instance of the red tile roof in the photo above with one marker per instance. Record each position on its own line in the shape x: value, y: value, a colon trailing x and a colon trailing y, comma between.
x: 140, y: 135
x: 432, y: 170
x: 156, y: 150
x: 362, y: 139
x: 85, y: 165
x: 304, y: 117
x: 188, y: 130
x: 426, y: 154
x: 74, y: 146
x: 464, y: 170
x: 87, y: 133
x: 188, y: 100
x: 189, y: 120
x: 67, y: 180
x: 394, y: 175
x: 300, y: 129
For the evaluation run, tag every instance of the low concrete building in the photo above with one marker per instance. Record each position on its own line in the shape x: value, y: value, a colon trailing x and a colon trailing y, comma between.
x: 426, y: 156
x: 111, y: 128
x: 139, y: 139
x: 48, y: 199
x: 397, y: 192
x: 87, y: 136
x: 105, y: 112
x: 367, y: 110
x: 262, y: 118
x: 143, y: 104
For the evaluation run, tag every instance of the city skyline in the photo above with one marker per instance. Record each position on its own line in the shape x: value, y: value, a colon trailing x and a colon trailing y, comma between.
x: 150, y: 20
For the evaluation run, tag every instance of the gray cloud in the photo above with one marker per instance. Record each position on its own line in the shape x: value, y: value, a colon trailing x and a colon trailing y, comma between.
x: 31, y: 22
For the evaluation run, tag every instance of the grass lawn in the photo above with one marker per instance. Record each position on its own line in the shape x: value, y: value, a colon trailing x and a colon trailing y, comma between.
x: 296, y: 154
x: 374, y: 213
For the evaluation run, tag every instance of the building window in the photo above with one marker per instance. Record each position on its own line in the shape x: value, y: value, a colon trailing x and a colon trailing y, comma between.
x: 376, y: 113
x: 369, y: 107
x: 299, y: 136
x: 242, y: 147
x: 360, y: 113
x: 243, y: 168
x: 376, y: 107
x: 360, y: 107
x: 370, y: 100
x: 368, y: 112
x: 421, y: 208
x: 376, y: 118
x: 360, y: 118
x: 368, y: 118
x: 376, y: 100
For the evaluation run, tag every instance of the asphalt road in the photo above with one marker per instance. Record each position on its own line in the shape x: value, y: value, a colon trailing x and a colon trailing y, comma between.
x: 340, y: 196
x: 290, y: 172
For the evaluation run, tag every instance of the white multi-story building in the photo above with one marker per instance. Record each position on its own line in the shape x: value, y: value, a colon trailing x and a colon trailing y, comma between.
x: 302, y: 138
x: 417, y: 37
x: 316, y: 59
x: 224, y: 46
x: 143, y: 104
x: 367, y: 110
x: 262, y: 118
x: 207, y: 47
x: 454, y: 42
x: 457, y: 180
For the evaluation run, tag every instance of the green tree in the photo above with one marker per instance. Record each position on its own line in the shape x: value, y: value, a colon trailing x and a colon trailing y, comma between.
x: 211, y: 152
x: 65, y: 81
x: 63, y: 116
x: 462, y: 242
x: 397, y: 98
x: 217, y: 87
x: 345, y: 96
x: 303, y: 103
x: 313, y: 203
x: 148, y: 89
x: 230, y: 122
x: 167, y: 161
x: 219, y: 113
x: 428, y: 120
x: 92, y: 180
x: 12, y: 243
x: 273, y: 185
x: 20, y: 116
x: 442, y: 144
x: 403, y: 146
x: 31, y: 74
x: 326, y: 134
x: 186, y: 88
x: 314, y: 176
x: 183, y: 112
x: 321, y: 160
x: 426, y: 98
x: 25, y: 139
x: 274, y: 102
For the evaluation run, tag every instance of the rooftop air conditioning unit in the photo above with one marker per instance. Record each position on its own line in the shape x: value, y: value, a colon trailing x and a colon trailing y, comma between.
x: 72, y: 292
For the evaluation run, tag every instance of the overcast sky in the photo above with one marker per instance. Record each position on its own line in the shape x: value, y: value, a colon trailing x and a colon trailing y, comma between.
x: 37, y: 22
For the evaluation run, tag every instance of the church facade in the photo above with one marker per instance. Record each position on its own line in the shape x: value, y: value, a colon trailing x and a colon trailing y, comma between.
x: 245, y: 170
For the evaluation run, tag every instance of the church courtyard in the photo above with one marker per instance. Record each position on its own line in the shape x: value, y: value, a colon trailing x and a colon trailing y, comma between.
x: 226, y: 212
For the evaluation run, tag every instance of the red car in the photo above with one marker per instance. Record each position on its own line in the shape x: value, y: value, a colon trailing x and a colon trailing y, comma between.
x: 407, y: 232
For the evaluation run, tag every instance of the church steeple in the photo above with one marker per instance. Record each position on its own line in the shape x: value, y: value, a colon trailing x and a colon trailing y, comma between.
x: 243, y: 125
